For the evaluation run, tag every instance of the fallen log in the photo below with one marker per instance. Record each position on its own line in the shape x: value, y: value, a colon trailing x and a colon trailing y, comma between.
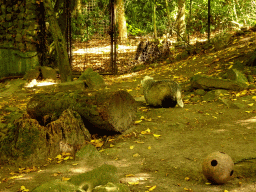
x: 101, y: 111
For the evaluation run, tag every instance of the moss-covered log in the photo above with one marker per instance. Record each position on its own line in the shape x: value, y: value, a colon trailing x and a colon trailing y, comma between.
x: 101, y: 111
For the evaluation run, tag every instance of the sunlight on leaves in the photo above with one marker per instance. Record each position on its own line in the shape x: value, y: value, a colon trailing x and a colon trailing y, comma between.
x: 136, y: 155
x: 16, y: 177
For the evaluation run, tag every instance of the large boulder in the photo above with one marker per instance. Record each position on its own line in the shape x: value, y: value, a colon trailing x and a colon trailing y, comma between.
x: 206, y: 82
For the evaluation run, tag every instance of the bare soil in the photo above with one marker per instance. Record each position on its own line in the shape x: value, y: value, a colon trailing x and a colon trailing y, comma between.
x: 167, y: 147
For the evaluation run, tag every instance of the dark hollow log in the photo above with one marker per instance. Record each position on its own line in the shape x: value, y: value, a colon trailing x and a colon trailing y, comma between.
x: 101, y: 111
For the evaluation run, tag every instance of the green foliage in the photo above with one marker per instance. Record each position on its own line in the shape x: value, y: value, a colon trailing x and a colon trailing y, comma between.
x: 95, y: 19
x: 134, y: 31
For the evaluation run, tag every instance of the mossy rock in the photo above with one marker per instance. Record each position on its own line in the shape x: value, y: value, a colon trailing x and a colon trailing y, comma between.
x: 93, y: 79
x: 115, y: 187
x: 99, y: 176
x: 57, y: 186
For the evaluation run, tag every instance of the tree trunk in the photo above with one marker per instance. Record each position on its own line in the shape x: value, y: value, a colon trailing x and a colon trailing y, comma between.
x: 154, y: 19
x: 60, y: 44
x: 181, y: 25
x: 122, y: 29
x: 101, y: 111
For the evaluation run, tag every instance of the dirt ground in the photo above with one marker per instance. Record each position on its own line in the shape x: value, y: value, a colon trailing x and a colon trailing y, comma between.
x: 164, y: 150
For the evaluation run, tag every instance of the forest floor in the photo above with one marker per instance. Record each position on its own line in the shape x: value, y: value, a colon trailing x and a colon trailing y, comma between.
x: 164, y: 150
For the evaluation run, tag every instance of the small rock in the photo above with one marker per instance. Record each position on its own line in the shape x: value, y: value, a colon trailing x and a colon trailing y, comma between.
x: 200, y: 92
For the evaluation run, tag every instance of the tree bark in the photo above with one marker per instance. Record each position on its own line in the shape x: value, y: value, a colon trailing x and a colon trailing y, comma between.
x: 181, y: 25
x: 60, y: 44
x: 122, y: 29
x: 101, y: 111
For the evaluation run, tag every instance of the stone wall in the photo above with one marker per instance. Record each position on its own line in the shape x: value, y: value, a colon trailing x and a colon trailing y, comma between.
x: 18, y: 36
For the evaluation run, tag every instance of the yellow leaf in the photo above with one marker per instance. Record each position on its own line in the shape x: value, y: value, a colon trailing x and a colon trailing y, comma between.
x: 58, y: 157
x: 187, y: 178
x: 129, y: 175
x: 134, y: 183
x: 111, y: 145
x: 142, y: 117
x: 137, y: 122
x: 225, y: 190
x: 131, y: 147
x: 66, y: 158
x: 230, y: 66
x: 155, y: 135
x: 65, y: 179
x: 254, y: 97
x: 251, y: 104
x: 149, y: 147
x: 208, y: 183
x: 99, y: 144
x: 152, y: 188
x: 128, y: 90
x: 145, y: 132
x: 136, y: 155
x: 75, y: 164
x: 247, y: 111
x: 23, y: 188
x: 148, y: 119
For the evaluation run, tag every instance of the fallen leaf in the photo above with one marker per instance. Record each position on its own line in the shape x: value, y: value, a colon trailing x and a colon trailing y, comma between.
x: 137, y: 122
x: 134, y: 183
x: 23, y: 188
x: 147, y: 131
x: 157, y: 136
x: 111, y: 145
x: 136, y: 155
x: 129, y: 175
x: 251, y: 104
x: 131, y: 147
x: 152, y: 188
x: 65, y: 179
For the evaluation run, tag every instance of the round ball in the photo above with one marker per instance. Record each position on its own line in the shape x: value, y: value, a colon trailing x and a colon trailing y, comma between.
x: 218, y: 167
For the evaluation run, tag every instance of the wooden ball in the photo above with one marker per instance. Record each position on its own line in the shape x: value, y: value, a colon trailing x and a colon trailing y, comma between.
x: 218, y: 167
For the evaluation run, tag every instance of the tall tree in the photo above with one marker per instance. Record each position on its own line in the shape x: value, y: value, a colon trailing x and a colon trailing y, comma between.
x: 60, y: 44
x: 154, y: 19
x: 180, y: 21
x: 122, y: 29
